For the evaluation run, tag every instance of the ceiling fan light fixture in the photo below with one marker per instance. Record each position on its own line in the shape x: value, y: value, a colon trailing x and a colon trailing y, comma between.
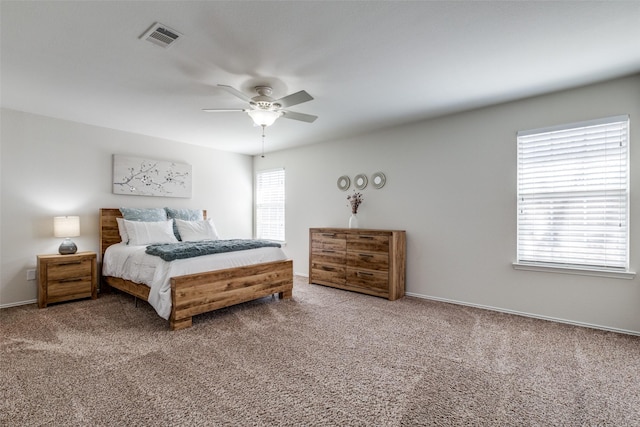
x: 264, y: 117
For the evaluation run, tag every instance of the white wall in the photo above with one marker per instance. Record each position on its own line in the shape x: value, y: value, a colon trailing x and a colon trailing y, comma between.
x: 52, y: 167
x: 451, y: 184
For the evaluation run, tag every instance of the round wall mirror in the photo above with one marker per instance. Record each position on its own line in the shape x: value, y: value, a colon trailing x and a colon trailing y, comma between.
x: 378, y: 179
x: 344, y: 183
x: 360, y: 181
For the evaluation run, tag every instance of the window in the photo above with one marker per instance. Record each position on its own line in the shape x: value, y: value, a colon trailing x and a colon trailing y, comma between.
x: 573, y: 195
x: 269, y: 205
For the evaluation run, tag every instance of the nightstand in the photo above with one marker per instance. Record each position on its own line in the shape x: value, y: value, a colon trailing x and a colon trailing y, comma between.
x: 66, y: 277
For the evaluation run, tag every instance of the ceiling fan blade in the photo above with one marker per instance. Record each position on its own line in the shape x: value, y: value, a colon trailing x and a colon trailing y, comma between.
x: 235, y: 92
x: 299, y: 116
x: 294, y: 99
x: 223, y: 110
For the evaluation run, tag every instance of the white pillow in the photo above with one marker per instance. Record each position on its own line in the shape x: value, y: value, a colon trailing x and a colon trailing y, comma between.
x: 122, y: 230
x: 194, y: 231
x: 149, y: 233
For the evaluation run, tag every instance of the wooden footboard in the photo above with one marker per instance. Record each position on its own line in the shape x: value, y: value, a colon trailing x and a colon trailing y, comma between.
x: 199, y: 293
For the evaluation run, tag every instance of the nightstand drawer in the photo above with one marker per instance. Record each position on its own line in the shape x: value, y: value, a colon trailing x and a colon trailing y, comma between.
x: 69, y: 289
x: 69, y: 270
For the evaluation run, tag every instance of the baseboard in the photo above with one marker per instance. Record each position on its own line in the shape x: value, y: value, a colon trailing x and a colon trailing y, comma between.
x: 16, y: 304
x: 525, y: 314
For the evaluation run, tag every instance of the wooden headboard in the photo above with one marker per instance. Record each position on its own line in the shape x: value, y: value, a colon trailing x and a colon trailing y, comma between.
x: 109, y: 234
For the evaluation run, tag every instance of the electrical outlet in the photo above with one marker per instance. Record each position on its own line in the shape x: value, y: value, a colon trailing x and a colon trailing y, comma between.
x: 31, y: 274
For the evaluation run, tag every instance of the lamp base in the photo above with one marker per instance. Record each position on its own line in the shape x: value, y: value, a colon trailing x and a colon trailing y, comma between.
x: 67, y: 247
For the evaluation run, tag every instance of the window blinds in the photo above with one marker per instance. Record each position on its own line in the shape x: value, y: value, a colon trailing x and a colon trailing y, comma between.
x: 270, y: 205
x: 573, y: 194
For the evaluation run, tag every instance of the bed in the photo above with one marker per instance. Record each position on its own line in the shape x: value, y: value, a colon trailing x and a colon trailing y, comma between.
x: 201, y: 292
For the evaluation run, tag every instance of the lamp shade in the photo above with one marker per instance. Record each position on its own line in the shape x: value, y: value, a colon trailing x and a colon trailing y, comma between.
x: 264, y: 117
x: 66, y: 226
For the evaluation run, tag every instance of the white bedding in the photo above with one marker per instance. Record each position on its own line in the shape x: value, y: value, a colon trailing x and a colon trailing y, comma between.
x: 132, y: 263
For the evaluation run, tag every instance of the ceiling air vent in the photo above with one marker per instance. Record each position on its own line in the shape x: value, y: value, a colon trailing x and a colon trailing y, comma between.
x: 161, y: 35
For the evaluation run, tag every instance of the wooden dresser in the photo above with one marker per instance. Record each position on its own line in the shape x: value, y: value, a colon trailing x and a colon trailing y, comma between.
x: 361, y: 260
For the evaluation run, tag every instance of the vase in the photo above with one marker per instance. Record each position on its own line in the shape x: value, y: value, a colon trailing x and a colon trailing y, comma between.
x: 353, y: 221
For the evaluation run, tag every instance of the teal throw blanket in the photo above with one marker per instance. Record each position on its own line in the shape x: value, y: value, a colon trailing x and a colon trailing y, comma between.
x: 173, y: 251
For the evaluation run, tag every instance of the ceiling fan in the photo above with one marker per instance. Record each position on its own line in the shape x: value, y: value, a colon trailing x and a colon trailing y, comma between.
x: 264, y: 110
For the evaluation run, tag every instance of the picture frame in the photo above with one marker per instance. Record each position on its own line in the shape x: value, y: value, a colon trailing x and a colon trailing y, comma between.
x: 137, y: 176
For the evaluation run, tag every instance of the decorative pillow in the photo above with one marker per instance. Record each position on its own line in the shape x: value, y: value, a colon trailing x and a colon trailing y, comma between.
x: 149, y: 233
x: 144, y: 214
x: 122, y: 230
x: 194, y: 231
x: 185, y: 215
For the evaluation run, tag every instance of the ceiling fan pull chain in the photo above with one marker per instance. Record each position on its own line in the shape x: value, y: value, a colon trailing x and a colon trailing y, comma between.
x: 263, y: 126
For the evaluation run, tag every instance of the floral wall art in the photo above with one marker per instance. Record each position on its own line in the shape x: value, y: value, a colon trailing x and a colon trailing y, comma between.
x: 147, y: 177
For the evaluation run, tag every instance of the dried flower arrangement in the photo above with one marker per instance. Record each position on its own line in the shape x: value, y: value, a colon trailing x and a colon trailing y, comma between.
x: 355, y: 200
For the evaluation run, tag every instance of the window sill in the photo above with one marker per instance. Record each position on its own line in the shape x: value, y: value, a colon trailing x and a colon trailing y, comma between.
x: 613, y: 274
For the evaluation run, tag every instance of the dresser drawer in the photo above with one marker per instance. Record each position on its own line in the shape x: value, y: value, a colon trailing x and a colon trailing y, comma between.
x: 368, y: 261
x: 68, y: 270
x: 328, y: 274
x: 328, y: 241
x: 368, y: 279
x: 327, y: 256
x: 368, y: 242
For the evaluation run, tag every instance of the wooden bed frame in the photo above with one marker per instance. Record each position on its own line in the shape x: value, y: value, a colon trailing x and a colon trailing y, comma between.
x: 199, y: 293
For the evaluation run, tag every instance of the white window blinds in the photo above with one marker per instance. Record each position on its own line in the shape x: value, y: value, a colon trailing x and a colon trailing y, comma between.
x: 573, y: 195
x: 269, y: 205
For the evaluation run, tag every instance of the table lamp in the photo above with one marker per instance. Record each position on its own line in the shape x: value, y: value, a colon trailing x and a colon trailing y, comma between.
x: 66, y: 227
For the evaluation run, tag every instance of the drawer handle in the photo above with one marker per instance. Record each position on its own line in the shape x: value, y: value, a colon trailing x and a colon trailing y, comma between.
x: 366, y: 237
x: 328, y: 268
x: 362, y: 273
x: 329, y: 234
x: 71, y: 280
x: 329, y: 251
x: 71, y: 263
x: 365, y: 256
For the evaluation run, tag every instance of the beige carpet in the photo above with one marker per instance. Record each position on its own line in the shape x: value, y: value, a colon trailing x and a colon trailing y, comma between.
x: 325, y: 358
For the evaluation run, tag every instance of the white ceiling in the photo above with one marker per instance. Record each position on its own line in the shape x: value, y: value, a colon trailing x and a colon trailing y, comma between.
x: 367, y: 64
